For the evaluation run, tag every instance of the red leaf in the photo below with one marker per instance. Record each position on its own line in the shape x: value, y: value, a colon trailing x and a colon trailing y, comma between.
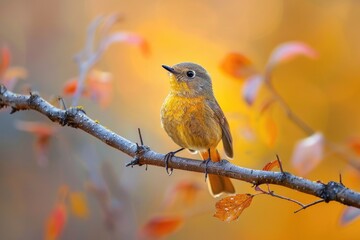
x: 161, y: 226
x: 237, y: 65
x: 57, y: 219
x: 251, y: 88
x: 56, y: 222
x: 230, y: 208
x: 349, y: 214
x: 70, y: 87
x: 308, y: 153
x: 288, y: 51
x: 4, y: 60
x: 269, y: 166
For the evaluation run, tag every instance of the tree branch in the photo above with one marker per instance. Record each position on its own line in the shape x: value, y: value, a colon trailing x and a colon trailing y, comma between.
x: 76, y: 118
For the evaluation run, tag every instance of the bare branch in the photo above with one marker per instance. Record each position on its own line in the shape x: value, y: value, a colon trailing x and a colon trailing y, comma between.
x: 76, y: 118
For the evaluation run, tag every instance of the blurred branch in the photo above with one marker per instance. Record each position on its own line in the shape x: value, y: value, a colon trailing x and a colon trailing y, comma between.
x: 76, y: 118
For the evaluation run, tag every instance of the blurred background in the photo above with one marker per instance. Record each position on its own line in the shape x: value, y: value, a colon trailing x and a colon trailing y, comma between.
x: 80, y: 172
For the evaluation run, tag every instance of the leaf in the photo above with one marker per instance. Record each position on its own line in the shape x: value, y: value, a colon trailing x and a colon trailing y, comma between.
x: 161, y: 226
x: 128, y: 37
x: 251, y: 88
x: 287, y: 51
x: 78, y: 203
x: 12, y: 75
x: 308, y: 153
x: 4, y: 60
x: 354, y: 144
x: 268, y: 130
x: 230, y: 208
x: 70, y: 87
x: 237, y: 65
x: 56, y: 222
x: 98, y: 87
x: 57, y: 219
x: 349, y: 214
x: 184, y: 191
x: 43, y: 133
x: 269, y: 166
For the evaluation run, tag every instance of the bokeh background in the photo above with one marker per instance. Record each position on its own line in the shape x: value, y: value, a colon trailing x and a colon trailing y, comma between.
x: 44, y: 36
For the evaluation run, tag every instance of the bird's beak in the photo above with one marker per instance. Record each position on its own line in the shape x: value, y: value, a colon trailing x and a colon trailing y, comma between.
x: 169, y: 69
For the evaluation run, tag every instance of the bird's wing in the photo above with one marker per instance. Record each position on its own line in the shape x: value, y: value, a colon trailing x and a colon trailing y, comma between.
x: 226, y: 135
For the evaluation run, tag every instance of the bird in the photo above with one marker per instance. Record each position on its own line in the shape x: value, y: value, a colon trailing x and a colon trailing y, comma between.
x: 193, y: 119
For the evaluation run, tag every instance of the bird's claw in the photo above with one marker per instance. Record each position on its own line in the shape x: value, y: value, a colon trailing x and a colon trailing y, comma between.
x: 167, y: 158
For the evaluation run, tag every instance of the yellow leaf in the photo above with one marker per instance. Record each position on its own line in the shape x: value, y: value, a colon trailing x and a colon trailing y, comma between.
x: 79, y: 205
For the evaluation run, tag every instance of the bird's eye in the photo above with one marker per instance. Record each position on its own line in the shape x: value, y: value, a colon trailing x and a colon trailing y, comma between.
x: 190, y: 74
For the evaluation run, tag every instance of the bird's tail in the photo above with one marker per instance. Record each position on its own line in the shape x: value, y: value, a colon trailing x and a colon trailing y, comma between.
x: 217, y: 184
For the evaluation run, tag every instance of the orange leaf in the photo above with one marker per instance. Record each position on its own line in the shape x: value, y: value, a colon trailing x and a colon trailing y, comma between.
x: 269, y: 166
x: 79, y: 205
x: 161, y: 226
x: 237, y: 65
x: 56, y: 222
x: 70, y: 86
x: 100, y: 87
x: 354, y: 144
x: 230, y: 208
x: 308, y: 153
x: 4, y: 60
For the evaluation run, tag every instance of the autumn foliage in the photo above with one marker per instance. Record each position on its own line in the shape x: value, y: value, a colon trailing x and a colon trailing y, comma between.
x: 288, y: 88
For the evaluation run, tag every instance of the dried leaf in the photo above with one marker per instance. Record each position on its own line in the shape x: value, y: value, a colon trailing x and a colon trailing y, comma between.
x: 161, y: 226
x: 56, y: 222
x: 184, y: 191
x: 230, y: 208
x: 349, y: 214
x: 78, y: 203
x: 237, y: 65
x: 269, y: 166
x: 308, y: 153
x: 251, y: 88
x: 288, y: 51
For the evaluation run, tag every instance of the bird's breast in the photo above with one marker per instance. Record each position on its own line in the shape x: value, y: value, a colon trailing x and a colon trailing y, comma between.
x: 190, y: 122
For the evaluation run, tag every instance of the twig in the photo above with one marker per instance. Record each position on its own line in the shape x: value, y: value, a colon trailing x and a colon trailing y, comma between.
x: 306, y: 128
x: 75, y: 117
x: 309, y: 205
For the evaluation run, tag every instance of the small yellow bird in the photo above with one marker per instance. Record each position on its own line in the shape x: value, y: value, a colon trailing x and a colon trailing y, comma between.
x: 194, y: 120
